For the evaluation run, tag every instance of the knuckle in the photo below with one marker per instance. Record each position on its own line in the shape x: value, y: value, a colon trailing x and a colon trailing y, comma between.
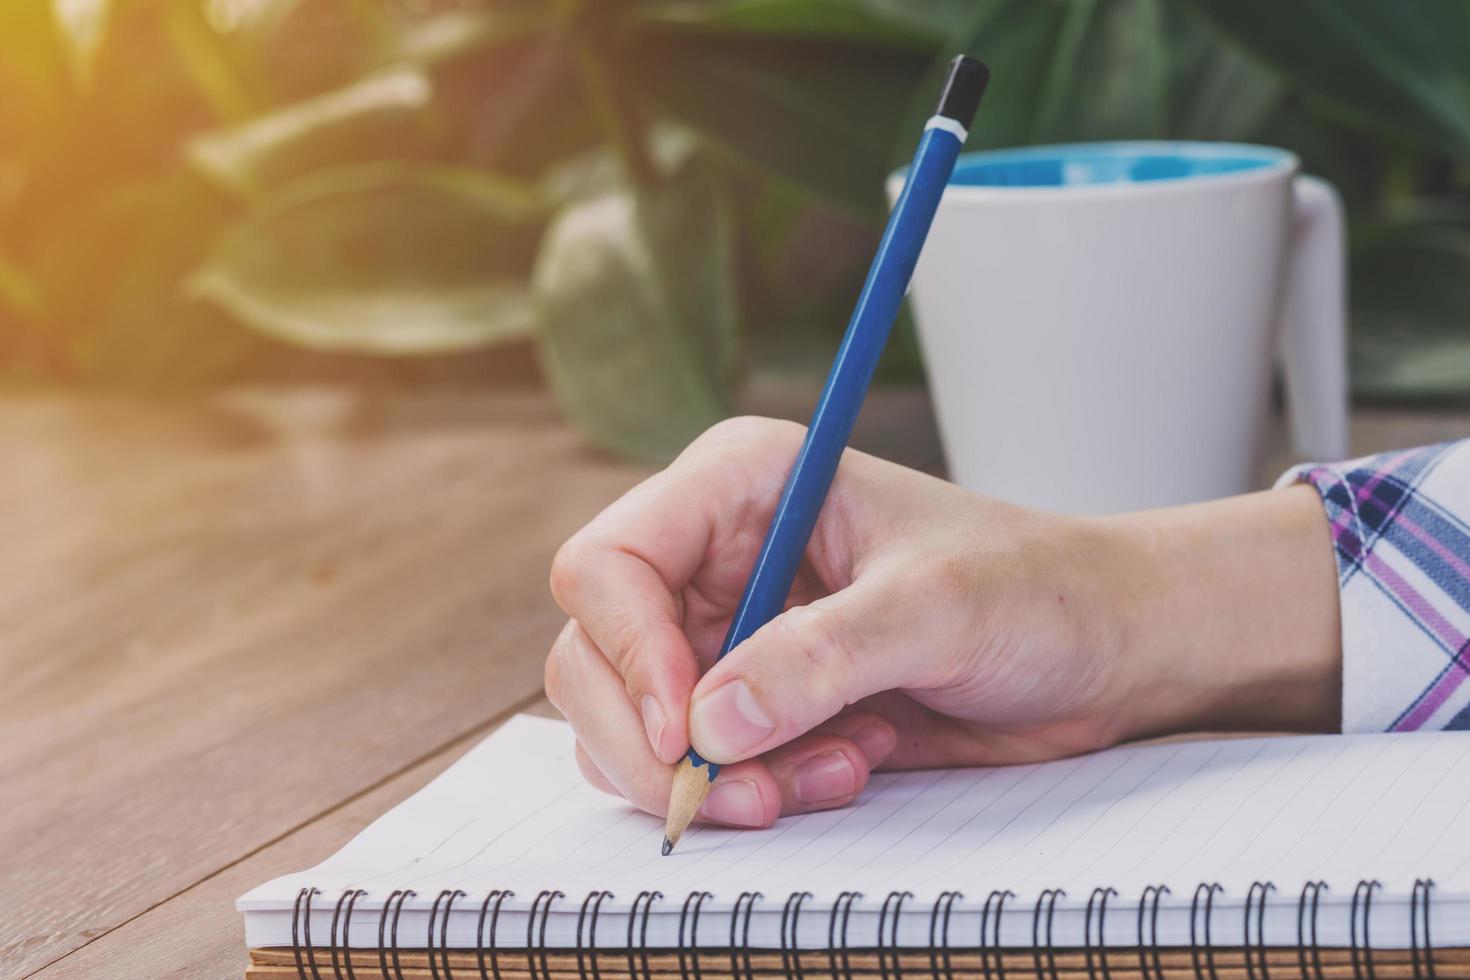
x: 824, y: 648
x: 623, y: 634
x: 747, y: 431
x: 736, y: 429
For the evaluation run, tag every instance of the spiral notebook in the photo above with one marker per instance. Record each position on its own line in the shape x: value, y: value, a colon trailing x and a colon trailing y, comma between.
x: 1322, y: 856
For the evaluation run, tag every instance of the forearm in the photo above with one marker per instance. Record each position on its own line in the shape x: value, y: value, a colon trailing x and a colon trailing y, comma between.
x: 1229, y: 615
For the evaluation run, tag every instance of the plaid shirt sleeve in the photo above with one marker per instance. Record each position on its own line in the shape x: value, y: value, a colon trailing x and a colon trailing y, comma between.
x: 1401, y: 531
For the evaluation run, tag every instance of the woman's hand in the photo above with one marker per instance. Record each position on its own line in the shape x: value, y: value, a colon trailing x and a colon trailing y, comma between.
x: 927, y: 627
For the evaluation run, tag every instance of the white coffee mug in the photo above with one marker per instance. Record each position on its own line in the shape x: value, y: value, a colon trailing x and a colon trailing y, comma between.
x: 1099, y: 322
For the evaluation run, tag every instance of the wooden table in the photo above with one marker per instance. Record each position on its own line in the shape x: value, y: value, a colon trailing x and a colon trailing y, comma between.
x: 235, y: 630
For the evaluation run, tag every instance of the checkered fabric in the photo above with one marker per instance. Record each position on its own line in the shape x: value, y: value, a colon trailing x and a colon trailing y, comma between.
x: 1401, y: 528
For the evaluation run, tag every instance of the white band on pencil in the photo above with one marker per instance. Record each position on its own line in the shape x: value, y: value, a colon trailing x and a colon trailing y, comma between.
x: 949, y: 126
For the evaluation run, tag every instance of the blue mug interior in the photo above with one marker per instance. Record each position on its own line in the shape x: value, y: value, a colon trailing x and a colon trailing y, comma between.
x: 1084, y: 164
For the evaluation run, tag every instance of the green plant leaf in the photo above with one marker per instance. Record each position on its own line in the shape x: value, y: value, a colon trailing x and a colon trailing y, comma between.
x: 1411, y: 308
x: 1061, y: 70
x: 381, y: 115
x: 1216, y: 91
x: 518, y: 106
x: 597, y: 172
x: 380, y: 259
x: 825, y: 20
x: 822, y: 115
x: 131, y: 244
x: 1400, y: 67
x: 1117, y: 83
x: 635, y: 301
x: 939, y: 15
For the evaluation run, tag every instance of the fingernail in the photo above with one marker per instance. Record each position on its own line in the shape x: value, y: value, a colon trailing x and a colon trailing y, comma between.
x: 735, y: 802
x: 653, y: 720
x: 728, y: 723
x: 876, y: 740
x: 829, y: 776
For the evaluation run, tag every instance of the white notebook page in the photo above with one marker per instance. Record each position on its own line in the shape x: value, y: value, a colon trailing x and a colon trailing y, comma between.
x: 514, y: 813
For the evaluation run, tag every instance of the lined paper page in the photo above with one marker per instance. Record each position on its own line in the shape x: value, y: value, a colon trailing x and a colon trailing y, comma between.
x: 515, y: 813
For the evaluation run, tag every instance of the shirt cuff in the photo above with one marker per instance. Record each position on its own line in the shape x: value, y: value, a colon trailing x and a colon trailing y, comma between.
x: 1400, y: 525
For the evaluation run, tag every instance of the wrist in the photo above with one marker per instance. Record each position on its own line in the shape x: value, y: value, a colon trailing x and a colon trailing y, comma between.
x: 1228, y: 616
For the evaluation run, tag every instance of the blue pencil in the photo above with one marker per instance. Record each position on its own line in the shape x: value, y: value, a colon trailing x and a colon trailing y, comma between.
x: 837, y: 409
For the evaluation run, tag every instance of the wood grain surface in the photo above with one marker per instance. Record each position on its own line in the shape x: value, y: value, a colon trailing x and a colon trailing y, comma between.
x: 237, y: 628
x: 224, y: 617
x: 219, y: 623
x: 198, y: 933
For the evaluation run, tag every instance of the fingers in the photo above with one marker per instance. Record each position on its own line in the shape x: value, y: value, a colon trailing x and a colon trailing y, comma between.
x: 621, y: 575
x: 830, y: 767
x: 588, y: 691
x: 630, y: 613
x: 873, y: 734
x: 821, y: 770
x: 801, y: 669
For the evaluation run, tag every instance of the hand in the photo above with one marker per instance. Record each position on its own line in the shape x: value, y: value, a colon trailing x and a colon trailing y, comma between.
x: 927, y: 627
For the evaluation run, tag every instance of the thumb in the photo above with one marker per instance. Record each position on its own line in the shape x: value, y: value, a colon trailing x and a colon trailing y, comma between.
x: 794, y: 673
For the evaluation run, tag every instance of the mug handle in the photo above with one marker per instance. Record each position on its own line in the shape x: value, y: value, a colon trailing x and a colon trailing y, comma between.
x: 1313, y: 322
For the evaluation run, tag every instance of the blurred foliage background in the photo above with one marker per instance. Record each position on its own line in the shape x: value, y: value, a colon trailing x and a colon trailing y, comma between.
x: 651, y: 194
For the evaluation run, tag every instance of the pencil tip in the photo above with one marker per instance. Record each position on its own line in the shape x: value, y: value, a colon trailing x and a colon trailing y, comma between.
x: 668, y: 847
x: 691, y: 786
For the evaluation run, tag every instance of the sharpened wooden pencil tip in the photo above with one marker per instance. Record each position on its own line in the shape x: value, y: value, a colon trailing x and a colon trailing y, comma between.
x: 691, y: 786
x: 668, y: 847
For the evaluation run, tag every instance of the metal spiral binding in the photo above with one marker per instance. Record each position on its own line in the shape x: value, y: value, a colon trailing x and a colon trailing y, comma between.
x: 429, y: 941
x: 1254, y: 949
x: 1420, y: 893
x: 588, y: 947
x: 1208, y: 890
x: 999, y: 898
x: 696, y: 899
x: 646, y: 899
x: 1364, y: 890
x: 1099, y: 896
x: 549, y: 897
x: 400, y: 896
x: 947, y: 899
x: 791, y: 912
x: 1316, y: 888
x: 1049, y: 896
x: 897, y: 900
x: 1256, y: 897
x: 498, y: 896
x: 447, y: 897
x: 749, y: 899
x: 349, y: 897
x: 297, y: 920
x: 1150, y: 893
x: 843, y: 905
